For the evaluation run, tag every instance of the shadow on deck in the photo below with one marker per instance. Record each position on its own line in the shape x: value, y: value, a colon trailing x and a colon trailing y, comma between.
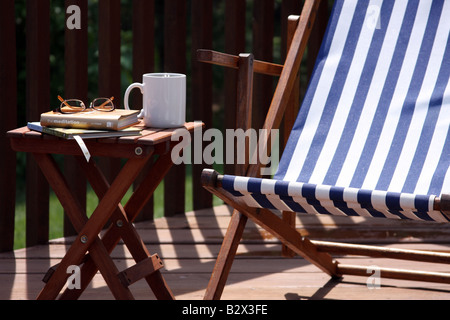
x: 189, y: 244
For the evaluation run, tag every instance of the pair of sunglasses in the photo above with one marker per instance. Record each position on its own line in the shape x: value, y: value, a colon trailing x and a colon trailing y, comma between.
x: 75, y: 105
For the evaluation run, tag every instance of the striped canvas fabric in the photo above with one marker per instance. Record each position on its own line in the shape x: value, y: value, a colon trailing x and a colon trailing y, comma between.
x: 374, y: 123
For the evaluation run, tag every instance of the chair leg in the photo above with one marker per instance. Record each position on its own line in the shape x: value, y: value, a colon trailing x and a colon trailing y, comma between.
x: 273, y: 224
x: 289, y: 218
x: 226, y: 256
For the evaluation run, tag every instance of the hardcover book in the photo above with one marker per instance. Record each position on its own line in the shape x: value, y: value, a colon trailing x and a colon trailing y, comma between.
x: 92, y: 119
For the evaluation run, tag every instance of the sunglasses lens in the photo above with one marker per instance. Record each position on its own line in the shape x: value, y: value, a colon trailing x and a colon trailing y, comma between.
x: 103, y: 104
x: 72, y: 106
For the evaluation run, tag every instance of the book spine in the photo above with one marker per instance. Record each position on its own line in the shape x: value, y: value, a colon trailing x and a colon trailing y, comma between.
x: 77, y: 123
x: 55, y: 133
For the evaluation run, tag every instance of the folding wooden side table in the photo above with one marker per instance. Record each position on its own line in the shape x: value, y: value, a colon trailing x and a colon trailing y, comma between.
x: 90, y: 251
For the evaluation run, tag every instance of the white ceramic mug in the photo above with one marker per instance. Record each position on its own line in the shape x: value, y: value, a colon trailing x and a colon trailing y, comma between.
x: 164, y: 99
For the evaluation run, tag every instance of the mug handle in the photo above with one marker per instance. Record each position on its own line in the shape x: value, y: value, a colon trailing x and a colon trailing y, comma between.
x: 127, y: 93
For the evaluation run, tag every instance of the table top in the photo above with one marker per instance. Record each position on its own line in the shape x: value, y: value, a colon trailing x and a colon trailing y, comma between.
x: 151, y: 140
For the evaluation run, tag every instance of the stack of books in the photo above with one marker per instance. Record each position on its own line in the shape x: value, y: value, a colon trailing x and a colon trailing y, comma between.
x: 90, y: 124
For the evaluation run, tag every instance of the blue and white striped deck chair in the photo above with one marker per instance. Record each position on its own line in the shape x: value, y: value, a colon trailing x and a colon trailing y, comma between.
x: 372, y: 135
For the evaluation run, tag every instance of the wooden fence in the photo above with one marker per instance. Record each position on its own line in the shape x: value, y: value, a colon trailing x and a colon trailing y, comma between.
x: 181, y: 20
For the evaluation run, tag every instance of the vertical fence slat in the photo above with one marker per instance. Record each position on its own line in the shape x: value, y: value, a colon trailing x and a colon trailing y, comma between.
x: 234, y: 44
x: 263, y: 30
x: 289, y: 7
x: 143, y: 42
x: 8, y: 121
x: 109, y: 65
x: 201, y: 88
x: 76, y: 86
x: 317, y: 32
x: 143, y: 62
x: 37, y: 101
x: 175, y: 61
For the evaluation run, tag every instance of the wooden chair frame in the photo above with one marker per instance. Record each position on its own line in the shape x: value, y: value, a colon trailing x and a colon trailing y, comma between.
x: 317, y: 252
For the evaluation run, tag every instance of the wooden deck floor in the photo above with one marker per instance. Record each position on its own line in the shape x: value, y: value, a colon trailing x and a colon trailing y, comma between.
x: 189, y: 244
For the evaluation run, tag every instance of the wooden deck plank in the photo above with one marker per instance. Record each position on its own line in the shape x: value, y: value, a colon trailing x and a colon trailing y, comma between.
x: 290, y: 286
x: 189, y: 244
x: 247, y: 265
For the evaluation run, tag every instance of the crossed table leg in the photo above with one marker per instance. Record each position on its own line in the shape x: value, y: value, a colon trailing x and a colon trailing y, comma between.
x: 88, y: 230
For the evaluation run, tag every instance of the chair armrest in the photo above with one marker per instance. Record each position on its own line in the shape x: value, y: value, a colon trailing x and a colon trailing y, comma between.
x: 210, y: 178
x: 232, y: 61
